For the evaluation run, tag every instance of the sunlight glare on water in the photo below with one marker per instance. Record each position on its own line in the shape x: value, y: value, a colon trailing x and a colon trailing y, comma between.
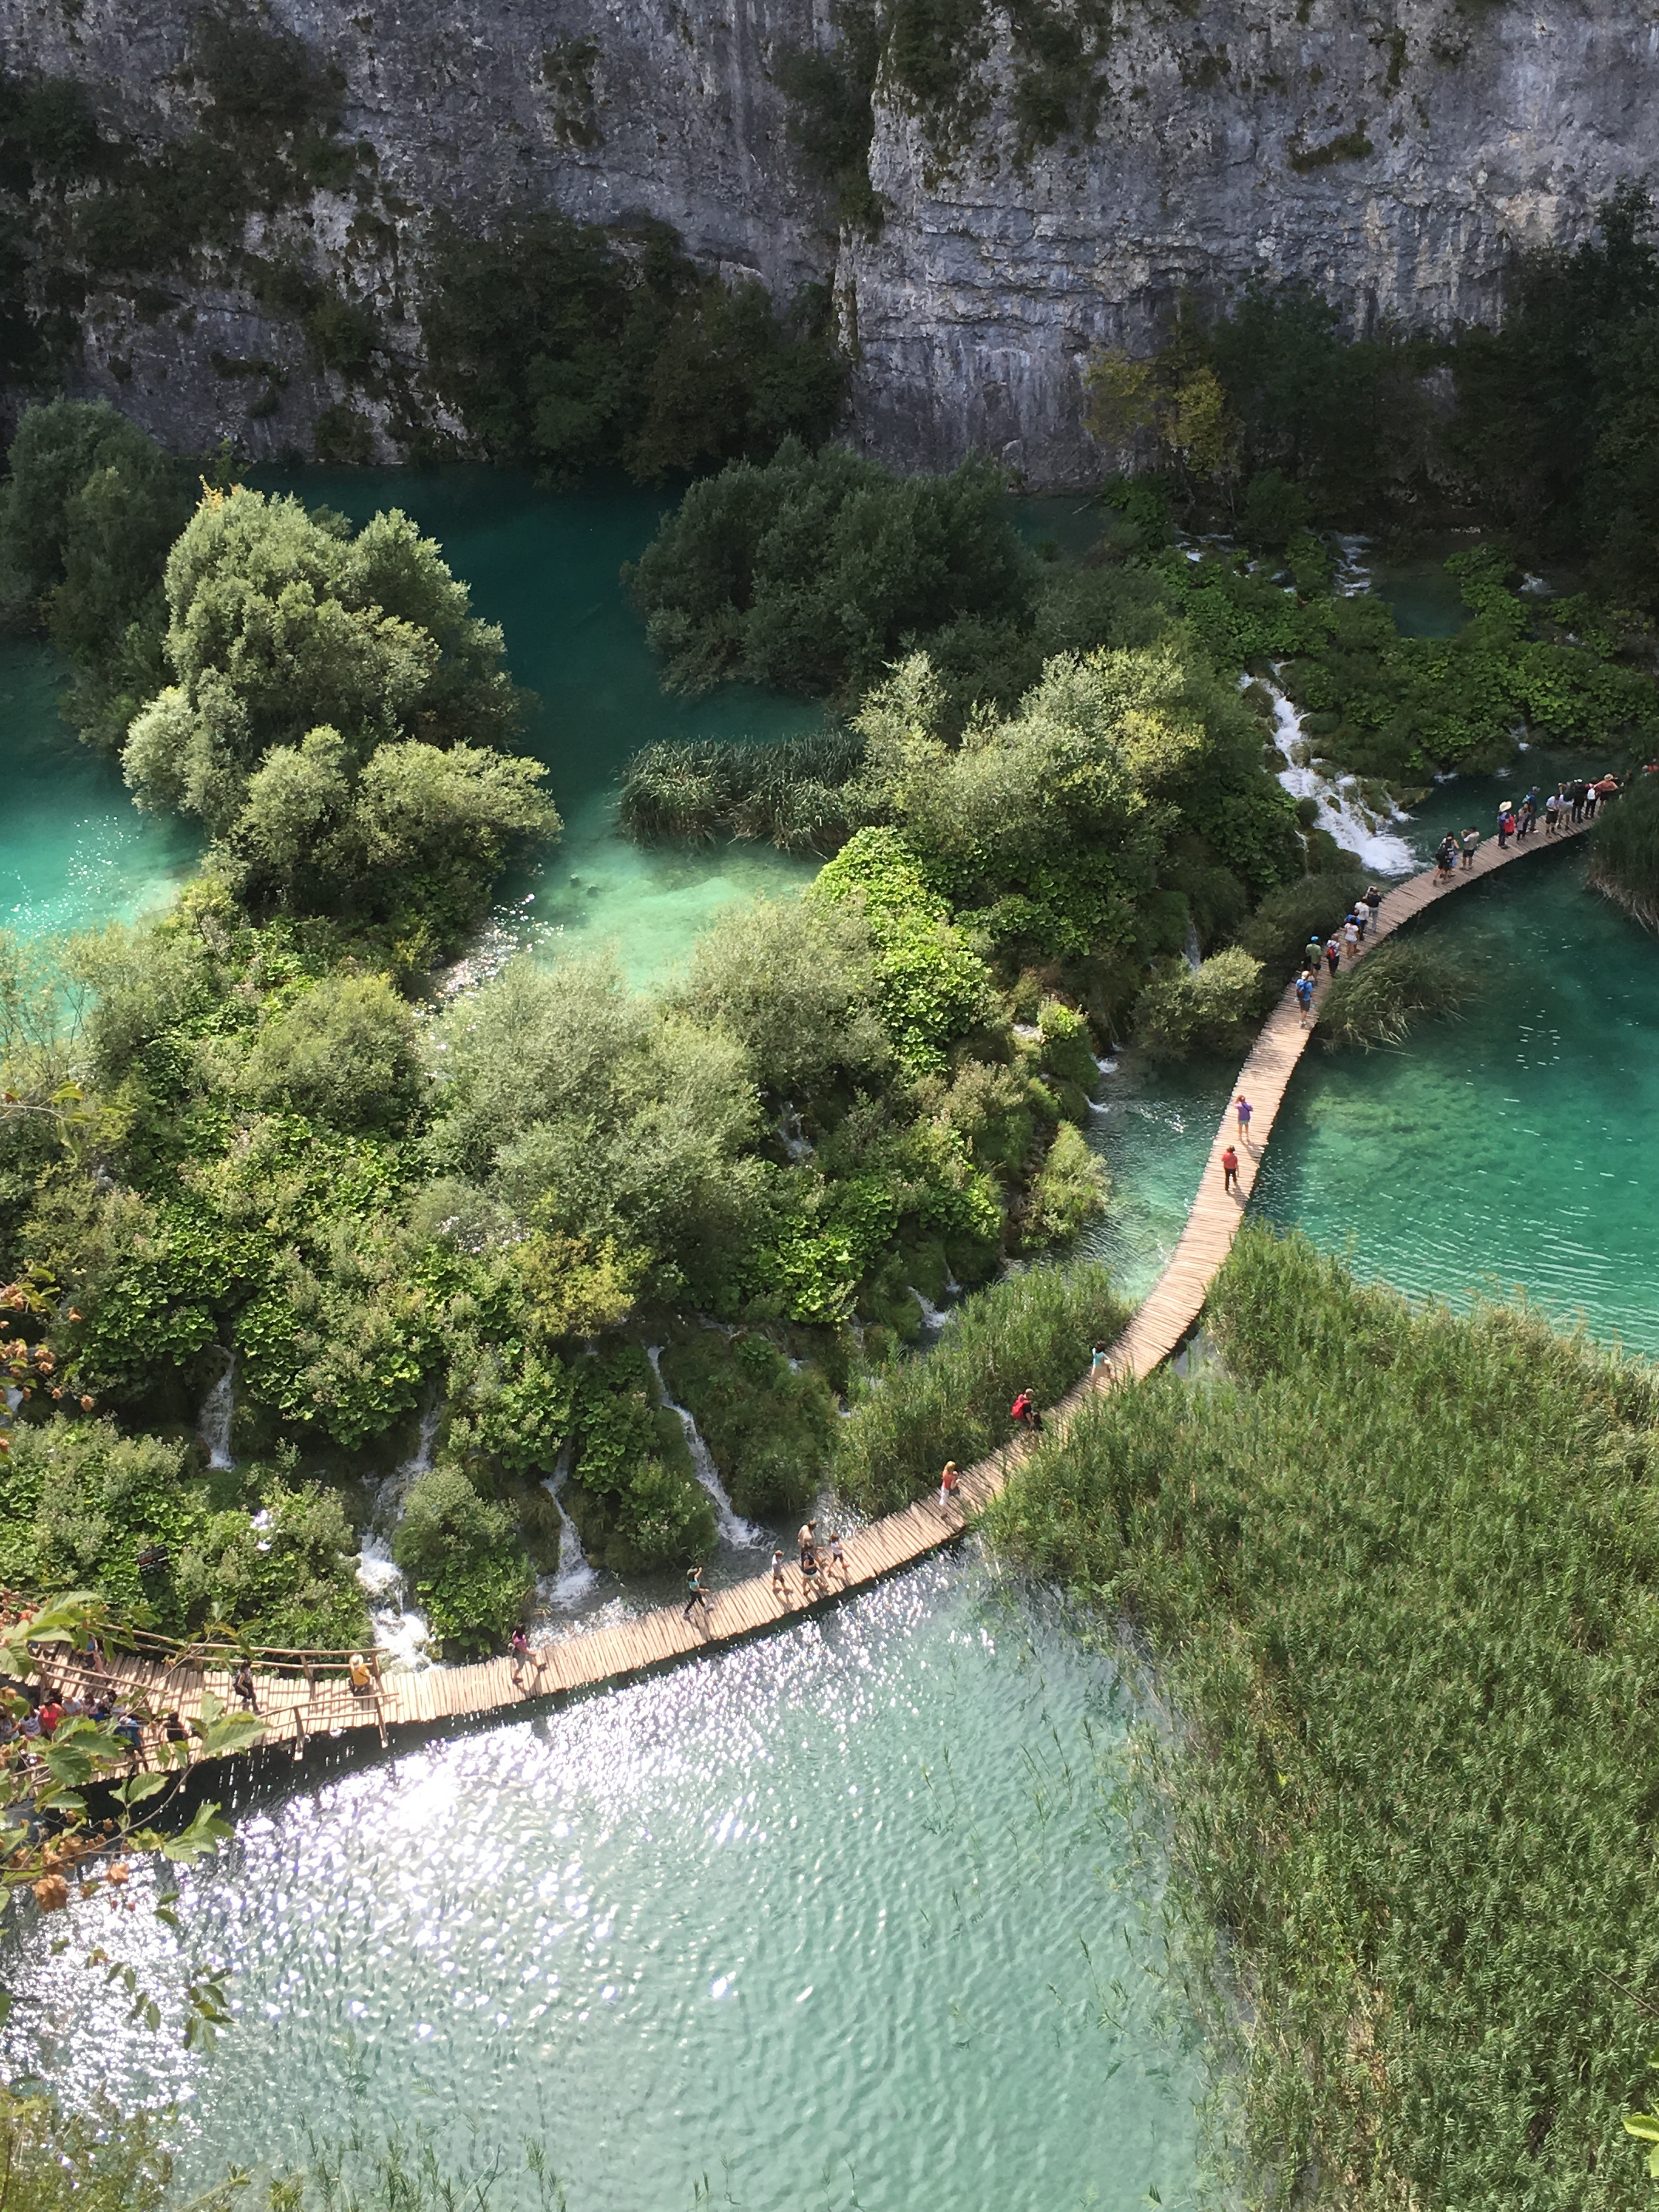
x: 853, y: 1904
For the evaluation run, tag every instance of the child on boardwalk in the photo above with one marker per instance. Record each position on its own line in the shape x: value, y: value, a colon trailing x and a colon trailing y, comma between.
x: 780, y: 1580
x: 947, y: 1486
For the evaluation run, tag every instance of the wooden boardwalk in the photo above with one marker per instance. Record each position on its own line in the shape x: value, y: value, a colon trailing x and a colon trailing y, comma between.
x: 298, y: 1712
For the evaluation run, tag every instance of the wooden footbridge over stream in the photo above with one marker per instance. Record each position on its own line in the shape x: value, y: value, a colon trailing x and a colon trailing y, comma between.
x: 307, y: 1697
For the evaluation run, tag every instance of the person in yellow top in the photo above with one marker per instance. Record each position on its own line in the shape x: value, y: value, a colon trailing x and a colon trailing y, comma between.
x: 361, y: 1679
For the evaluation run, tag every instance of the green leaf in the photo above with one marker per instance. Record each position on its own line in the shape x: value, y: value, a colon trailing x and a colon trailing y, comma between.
x: 1642, y: 2125
x: 141, y: 1786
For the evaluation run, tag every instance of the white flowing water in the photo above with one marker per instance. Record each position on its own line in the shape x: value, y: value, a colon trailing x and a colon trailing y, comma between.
x: 1357, y: 827
x: 933, y: 1318
x: 399, y: 1631
x: 213, y: 1422
x: 791, y: 1136
x: 743, y: 1535
x: 564, y: 1591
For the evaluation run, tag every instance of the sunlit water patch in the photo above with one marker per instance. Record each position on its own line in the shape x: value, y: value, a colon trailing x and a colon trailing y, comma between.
x: 848, y: 1914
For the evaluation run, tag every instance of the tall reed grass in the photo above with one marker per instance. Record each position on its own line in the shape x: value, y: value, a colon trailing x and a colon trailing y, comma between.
x: 1624, y: 852
x: 1033, y: 1329
x: 1397, y: 1569
x: 1376, y: 1002
x: 790, y: 793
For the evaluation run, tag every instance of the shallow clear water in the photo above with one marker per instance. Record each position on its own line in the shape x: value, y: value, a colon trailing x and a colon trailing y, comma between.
x: 1508, y: 1148
x: 74, y: 850
x: 852, y: 1903
x: 1152, y: 1127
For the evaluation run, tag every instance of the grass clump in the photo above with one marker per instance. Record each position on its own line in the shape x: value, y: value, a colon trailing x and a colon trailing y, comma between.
x: 1624, y: 856
x: 1034, y: 1328
x: 793, y: 794
x: 1376, y: 1002
x: 1396, y: 1567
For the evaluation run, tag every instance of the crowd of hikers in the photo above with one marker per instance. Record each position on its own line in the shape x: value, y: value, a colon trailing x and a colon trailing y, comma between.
x: 1568, y: 805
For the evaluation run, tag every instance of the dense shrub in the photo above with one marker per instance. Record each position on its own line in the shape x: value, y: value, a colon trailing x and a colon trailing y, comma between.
x: 1070, y: 1191
x: 343, y: 1051
x: 463, y: 1557
x: 768, y: 1425
x: 1031, y: 1329
x: 568, y: 349
x: 1214, y: 1007
x: 79, y: 1501
x: 1395, y: 1570
x: 813, y: 571
x: 633, y: 1494
x: 794, y: 983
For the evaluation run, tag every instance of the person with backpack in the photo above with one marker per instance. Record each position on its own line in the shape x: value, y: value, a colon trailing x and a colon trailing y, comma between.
x: 1023, y: 1413
x: 1304, y: 995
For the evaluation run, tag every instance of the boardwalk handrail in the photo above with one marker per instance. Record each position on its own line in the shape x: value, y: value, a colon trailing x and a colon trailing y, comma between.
x: 631, y: 1648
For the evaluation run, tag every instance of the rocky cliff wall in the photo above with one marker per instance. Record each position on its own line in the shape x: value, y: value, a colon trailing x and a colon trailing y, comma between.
x: 1391, y: 158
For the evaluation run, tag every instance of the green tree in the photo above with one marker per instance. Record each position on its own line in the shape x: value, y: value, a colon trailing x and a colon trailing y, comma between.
x: 280, y: 622
x: 344, y: 1051
x: 463, y: 1555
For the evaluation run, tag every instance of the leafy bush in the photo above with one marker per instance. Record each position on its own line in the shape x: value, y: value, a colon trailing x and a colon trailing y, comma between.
x: 1068, y: 1049
x: 1214, y: 1007
x: 79, y: 1501
x: 1071, y: 1190
x: 1624, y: 853
x: 566, y: 349
x: 929, y: 988
x: 462, y: 1554
x: 343, y: 1051
x: 767, y: 1425
x: 1374, y: 1003
x: 1031, y: 1329
x: 1394, y: 1568
x: 794, y: 983
x: 814, y: 570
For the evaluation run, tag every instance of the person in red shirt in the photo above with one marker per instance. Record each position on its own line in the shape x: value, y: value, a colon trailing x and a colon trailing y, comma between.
x: 1230, y: 1170
x: 50, y: 1713
x: 947, y: 1486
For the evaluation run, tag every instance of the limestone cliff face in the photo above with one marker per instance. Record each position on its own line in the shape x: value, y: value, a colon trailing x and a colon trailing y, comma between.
x: 1392, y: 159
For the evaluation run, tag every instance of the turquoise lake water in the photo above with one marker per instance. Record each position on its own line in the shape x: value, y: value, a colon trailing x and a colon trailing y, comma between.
x: 846, y: 1917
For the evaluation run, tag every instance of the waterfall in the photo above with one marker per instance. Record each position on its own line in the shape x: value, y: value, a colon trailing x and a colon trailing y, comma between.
x: 401, y: 1634
x: 213, y: 1422
x: 577, y: 1577
x: 741, y: 1534
x: 1192, y: 952
x: 790, y: 1136
x: 933, y: 1318
x: 1341, y: 810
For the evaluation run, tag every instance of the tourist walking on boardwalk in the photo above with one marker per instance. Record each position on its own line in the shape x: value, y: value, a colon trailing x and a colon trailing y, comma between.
x: 1505, y: 825
x: 780, y: 1579
x: 358, y: 1673
x: 1552, y: 813
x: 1527, y: 818
x: 1304, y: 991
x: 1312, y: 953
x: 806, y: 1542
x: 1333, y: 954
x: 1471, y: 845
x: 1229, y: 1172
x: 1351, y: 937
x: 1242, y: 1108
x: 1445, y: 858
x: 1361, y: 917
x: 838, y: 1557
x: 695, y: 1595
x: 1373, y: 900
x: 242, y: 1683
x: 518, y: 1649
x: 1592, y: 794
x: 1023, y: 1412
x: 947, y: 1486
x: 1577, y: 796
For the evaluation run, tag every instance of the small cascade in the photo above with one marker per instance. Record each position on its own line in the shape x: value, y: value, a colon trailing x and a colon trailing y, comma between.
x: 213, y: 1422
x: 933, y: 1318
x: 1192, y: 952
x: 1342, y: 812
x: 401, y: 1634
x: 791, y: 1136
x: 741, y: 1534
x: 1352, y: 577
x: 565, y: 1591
x: 420, y: 1461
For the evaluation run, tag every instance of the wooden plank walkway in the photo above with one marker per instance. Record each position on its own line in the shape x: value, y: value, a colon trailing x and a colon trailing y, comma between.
x: 297, y: 1712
